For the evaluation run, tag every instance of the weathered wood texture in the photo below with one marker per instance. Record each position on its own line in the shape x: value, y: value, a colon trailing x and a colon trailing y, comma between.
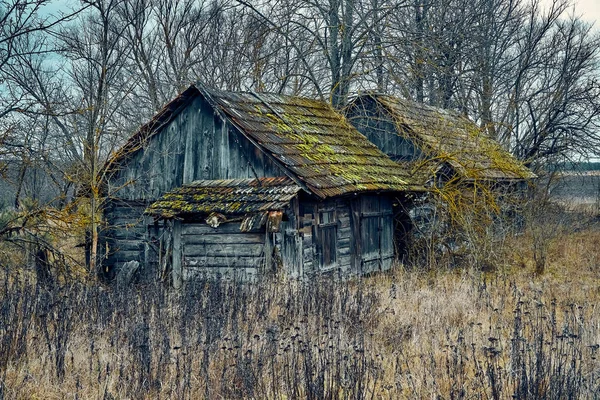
x: 288, y: 242
x: 376, y: 233
x: 324, y: 243
x: 123, y: 235
x: 195, y: 145
x: 223, y: 251
x: 315, y: 238
x: 351, y: 235
x: 377, y: 125
x: 337, y: 239
x: 325, y: 237
x: 178, y: 255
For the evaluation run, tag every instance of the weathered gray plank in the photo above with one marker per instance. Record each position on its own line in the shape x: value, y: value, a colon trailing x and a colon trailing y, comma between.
x: 307, y: 241
x: 204, y: 229
x: 345, y: 261
x: 208, y: 142
x: 212, y: 261
x: 177, y: 255
x: 189, y: 167
x: 246, y: 274
x: 241, y: 238
x: 344, y: 222
x: 127, y: 234
x: 126, y: 255
x: 344, y: 241
x: 371, y: 256
x: 308, y: 255
x: 136, y: 225
x: 127, y: 245
x: 344, y: 251
x: 230, y: 250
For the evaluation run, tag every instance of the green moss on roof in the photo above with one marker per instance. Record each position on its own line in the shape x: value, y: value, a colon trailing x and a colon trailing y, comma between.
x: 447, y: 136
x: 230, y: 196
x: 305, y: 136
x: 314, y: 142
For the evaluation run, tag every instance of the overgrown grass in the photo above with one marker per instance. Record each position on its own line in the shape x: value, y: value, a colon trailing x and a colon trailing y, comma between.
x: 447, y: 334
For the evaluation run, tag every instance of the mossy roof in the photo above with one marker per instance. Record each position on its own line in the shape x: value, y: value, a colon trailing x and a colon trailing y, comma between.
x: 313, y: 142
x: 449, y: 137
x: 228, y: 196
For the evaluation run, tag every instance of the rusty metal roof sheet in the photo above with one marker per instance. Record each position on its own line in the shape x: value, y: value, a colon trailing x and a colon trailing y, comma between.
x: 229, y: 196
x: 450, y: 137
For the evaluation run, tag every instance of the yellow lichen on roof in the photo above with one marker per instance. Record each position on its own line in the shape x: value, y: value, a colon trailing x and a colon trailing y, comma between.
x: 315, y: 142
x: 448, y: 136
x: 229, y: 196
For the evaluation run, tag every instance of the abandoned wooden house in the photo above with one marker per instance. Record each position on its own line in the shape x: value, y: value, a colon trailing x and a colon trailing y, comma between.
x: 242, y: 184
x: 439, y: 145
x: 471, y: 178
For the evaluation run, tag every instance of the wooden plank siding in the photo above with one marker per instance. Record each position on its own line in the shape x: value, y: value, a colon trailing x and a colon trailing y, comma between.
x: 326, y: 246
x: 122, y: 238
x: 223, y: 251
x: 376, y: 234
x: 349, y: 233
x: 378, y: 126
x: 305, y: 245
x: 195, y: 145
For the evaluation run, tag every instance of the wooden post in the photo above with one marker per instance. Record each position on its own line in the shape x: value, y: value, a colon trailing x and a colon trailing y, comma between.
x: 177, y: 256
x: 356, y: 247
x: 268, y: 254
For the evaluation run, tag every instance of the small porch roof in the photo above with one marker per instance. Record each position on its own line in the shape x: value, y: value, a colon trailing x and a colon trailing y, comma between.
x: 226, y: 196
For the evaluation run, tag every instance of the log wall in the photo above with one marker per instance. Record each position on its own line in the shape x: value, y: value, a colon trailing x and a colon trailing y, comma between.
x: 224, y: 251
x: 122, y: 237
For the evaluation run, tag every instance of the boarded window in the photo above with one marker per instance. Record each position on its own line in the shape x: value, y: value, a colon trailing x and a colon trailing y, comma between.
x: 327, y: 237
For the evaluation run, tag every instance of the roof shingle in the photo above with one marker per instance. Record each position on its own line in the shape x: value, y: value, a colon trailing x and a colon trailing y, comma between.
x: 450, y: 137
x: 312, y: 141
x: 228, y: 196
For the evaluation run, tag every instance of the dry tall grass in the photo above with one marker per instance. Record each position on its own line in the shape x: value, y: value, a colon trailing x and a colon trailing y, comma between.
x: 443, y: 334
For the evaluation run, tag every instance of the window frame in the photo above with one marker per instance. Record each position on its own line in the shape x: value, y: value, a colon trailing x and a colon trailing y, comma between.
x: 327, y: 233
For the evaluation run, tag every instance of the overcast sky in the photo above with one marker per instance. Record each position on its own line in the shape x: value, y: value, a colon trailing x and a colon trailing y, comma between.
x: 590, y: 10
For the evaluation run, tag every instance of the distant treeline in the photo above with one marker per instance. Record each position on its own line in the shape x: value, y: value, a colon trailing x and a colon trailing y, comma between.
x: 576, y: 166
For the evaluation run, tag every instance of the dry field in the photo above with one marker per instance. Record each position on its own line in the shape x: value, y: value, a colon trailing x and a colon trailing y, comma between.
x: 426, y: 334
x: 577, y: 189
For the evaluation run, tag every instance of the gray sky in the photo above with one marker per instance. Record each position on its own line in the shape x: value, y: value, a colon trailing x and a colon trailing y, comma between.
x: 57, y: 6
x: 589, y: 10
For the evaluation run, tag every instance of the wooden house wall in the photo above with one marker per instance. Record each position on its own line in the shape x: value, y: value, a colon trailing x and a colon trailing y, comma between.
x: 224, y: 251
x: 123, y: 236
x: 376, y: 233
x: 195, y: 145
x: 362, y: 239
x: 377, y: 125
x: 323, y: 239
x: 345, y: 237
